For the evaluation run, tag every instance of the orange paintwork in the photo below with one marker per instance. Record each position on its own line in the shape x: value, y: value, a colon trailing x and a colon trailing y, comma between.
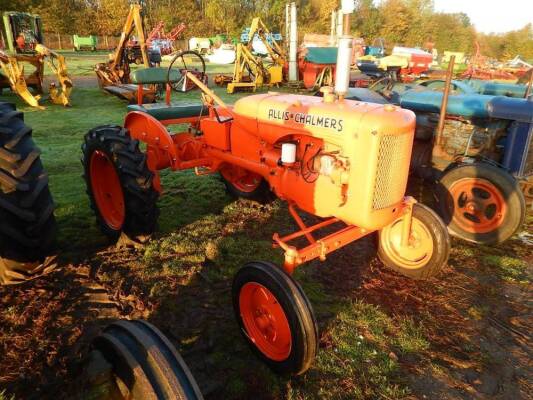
x: 352, y: 158
x: 107, y: 191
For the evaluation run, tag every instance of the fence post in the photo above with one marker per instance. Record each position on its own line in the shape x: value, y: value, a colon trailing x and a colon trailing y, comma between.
x: 106, y: 43
x: 59, y: 41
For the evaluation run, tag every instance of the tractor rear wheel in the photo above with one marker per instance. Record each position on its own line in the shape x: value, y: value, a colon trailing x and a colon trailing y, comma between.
x: 119, y: 183
x: 481, y: 203
x: 241, y: 183
x: 145, y: 364
x: 427, y: 250
x: 27, y: 223
x: 275, y: 317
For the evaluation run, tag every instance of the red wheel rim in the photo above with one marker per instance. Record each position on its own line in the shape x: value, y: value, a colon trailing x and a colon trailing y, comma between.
x: 243, y: 180
x: 478, y: 205
x: 106, y: 190
x: 265, y: 321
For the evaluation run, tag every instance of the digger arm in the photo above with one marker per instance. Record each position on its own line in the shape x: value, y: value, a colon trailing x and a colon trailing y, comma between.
x: 274, y: 51
x: 59, y: 68
x: 134, y: 20
x: 14, y: 73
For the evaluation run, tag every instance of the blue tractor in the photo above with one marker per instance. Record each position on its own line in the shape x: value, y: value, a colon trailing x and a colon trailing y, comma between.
x: 481, y: 161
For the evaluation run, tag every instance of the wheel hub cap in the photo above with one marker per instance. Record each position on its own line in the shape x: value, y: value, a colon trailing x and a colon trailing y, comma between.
x: 265, y: 321
x: 477, y: 205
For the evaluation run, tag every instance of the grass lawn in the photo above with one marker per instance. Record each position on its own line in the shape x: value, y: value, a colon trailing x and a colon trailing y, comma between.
x: 463, y: 335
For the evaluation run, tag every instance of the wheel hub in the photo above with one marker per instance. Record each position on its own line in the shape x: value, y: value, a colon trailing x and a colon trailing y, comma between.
x: 265, y: 321
x: 418, y: 250
x: 107, y: 190
x: 477, y: 205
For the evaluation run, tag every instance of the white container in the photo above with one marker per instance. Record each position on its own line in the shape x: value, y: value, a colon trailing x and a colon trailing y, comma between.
x: 288, y: 153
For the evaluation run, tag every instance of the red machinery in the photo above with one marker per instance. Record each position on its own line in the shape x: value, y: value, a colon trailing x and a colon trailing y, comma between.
x: 343, y: 161
x: 162, y: 40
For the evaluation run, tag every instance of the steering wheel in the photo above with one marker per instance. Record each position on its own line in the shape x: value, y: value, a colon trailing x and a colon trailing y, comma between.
x: 182, y: 84
x: 383, y: 85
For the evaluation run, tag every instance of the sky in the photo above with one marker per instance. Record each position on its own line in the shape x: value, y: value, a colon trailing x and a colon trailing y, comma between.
x: 491, y: 15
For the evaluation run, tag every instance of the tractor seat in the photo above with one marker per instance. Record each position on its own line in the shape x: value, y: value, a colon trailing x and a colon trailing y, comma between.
x: 162, y: 111
x: 154, y: 76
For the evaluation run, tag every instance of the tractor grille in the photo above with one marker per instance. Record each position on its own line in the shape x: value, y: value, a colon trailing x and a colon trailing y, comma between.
x: 392, y: 170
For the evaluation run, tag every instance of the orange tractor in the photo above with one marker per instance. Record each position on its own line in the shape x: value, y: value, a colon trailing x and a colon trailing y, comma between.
x: 344, y: 161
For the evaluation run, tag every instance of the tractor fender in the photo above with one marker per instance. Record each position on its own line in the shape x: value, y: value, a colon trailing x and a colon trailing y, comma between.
x: 162, y: 152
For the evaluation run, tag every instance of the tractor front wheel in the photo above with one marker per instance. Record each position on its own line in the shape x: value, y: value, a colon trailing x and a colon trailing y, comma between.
x: 481, y: 203
x: 426, y: 250
x: 119, y: 183
x: 275, y: 317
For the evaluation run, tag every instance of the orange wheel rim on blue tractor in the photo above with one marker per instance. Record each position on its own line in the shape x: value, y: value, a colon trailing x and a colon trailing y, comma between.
x: 478, y: 205
x: 107, y: 191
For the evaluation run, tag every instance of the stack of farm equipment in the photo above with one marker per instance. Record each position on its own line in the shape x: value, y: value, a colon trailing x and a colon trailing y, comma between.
x: 404, y: 64
x: 22, y: 36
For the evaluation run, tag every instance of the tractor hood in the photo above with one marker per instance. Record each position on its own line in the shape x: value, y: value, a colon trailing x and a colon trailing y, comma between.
x: 279, y: 115
x: 469, y: 105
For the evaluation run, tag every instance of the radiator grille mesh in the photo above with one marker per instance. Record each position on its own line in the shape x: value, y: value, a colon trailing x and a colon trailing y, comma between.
x: 392, y: 170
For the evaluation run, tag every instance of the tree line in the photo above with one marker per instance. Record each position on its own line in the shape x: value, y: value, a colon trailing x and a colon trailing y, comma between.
x: 413, y: 23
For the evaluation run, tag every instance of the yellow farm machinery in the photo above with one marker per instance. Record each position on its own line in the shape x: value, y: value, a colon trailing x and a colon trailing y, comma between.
x: 22, y: 38
x: 250, y: 71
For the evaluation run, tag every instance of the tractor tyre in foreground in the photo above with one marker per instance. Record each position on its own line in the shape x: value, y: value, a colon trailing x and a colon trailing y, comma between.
x: 427, y: 250
x: 145, y: 365
x: 481, y: 203
x: 27, y: 223
x: 241, y: 183
x: 119, y: 183
x: 275, y: 317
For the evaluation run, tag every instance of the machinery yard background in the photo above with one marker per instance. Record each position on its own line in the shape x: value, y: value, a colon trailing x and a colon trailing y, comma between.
x: 466, y: 333
x: 463, y: 335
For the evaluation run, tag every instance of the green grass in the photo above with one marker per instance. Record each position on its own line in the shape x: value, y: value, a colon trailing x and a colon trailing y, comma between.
x: 5, y: 396
x: 509, y: 268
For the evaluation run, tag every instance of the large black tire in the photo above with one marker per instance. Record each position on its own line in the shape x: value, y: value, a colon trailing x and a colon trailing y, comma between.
x: 491, y: 187
x: 135, y: 189
x: 27, y: 223
x: 427, y: 253
x: 286, y: 293
x: 145, y: 364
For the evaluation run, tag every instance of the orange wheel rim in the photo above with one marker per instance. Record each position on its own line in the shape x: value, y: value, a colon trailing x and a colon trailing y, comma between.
x: 243, y: 180
x: 478, y: 206
x: 107, y: 190
x: 265, y: 321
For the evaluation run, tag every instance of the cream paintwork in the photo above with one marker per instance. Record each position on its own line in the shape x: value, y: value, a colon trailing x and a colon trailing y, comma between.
x: 363, y: 126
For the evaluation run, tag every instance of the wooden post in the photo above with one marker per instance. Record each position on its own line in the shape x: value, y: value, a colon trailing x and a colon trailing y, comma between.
x: 59, y: 41
x: 439, y: 140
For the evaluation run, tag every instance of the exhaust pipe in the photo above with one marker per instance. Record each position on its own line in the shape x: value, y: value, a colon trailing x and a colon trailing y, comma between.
x: 293, y: 48
x: 345, y: 50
